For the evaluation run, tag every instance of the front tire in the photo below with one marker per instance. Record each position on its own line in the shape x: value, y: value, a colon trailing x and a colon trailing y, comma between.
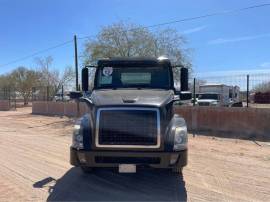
x: 86, y: 169
x: 177, y: 170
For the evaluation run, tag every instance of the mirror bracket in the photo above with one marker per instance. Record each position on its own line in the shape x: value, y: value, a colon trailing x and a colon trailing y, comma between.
x: 75, y: 94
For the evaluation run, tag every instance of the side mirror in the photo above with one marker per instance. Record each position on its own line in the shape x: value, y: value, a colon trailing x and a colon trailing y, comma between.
x: 184, y: 79
x: 75, y: 94
x: 176, y: 98
x: 185, y: 95
x: 85, y: 79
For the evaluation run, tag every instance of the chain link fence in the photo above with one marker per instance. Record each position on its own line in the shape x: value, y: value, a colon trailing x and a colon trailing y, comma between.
x: 48, y: 93
x: 12, y: 99
x: 245, y: 90
x: 239, y: 90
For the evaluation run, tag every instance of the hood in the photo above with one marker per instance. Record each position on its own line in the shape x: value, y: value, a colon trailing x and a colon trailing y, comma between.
x: 149, y: 97
x: 207, y: 100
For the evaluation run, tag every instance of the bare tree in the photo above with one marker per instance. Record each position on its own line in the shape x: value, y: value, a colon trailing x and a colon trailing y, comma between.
x: 51, y: 77
x: 262, y: 87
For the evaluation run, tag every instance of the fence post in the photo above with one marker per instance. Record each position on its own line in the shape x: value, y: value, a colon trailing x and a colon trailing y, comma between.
x: 194, y: 91
x: 15, y: 98
x: 8, y: 96
x: 247, y: 89
x: 62, y: 93
x: 47, y: 93
x: 5, y: 93
x: 33, y: 92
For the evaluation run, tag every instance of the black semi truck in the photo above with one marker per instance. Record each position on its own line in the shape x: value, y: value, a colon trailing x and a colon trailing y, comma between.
x: 131, y: 123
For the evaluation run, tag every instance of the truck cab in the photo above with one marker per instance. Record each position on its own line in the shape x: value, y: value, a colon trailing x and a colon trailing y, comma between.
x: 131, y: 122
x: 209, y: 99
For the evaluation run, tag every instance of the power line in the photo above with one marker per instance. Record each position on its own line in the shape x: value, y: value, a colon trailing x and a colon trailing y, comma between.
x: 150, y: 26
x: 209, y: 15
x: 36, y: 53
x: 195, y: 18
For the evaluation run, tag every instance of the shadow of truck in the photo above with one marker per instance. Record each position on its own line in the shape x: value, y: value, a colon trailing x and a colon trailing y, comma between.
x: 105, y: 185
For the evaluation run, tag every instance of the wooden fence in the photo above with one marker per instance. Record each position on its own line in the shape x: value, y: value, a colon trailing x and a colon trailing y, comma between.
x: 237, y: 122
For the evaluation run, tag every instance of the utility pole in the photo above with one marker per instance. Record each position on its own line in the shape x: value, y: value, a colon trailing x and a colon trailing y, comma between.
x: 194, y: 91
x: 76, y: 71
x: 247, y: 89
x: 76, y: 62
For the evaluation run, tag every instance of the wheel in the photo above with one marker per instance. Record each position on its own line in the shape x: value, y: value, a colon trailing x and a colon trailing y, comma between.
x: 177, y: 170
x: 86, y: 169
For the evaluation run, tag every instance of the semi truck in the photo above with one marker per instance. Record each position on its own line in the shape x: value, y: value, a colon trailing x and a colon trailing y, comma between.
x: 131, y: 123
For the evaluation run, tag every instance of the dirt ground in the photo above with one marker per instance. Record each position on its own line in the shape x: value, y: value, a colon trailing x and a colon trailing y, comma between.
x: 34, y: 166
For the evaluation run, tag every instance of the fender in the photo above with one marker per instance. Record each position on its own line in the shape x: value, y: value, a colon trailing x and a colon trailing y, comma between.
x: 87, y: 130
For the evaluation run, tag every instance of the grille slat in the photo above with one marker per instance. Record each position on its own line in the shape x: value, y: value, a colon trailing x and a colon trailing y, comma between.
x: 128, y: 127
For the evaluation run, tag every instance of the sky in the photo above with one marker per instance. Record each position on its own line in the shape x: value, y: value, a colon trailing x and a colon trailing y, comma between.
x: 227, y: 43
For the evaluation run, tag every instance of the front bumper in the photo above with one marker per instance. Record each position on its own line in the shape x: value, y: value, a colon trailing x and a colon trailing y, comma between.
x: 114, y: 158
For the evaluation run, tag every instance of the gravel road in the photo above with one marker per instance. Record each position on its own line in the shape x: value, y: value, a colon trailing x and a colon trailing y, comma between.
x: 34, y: 166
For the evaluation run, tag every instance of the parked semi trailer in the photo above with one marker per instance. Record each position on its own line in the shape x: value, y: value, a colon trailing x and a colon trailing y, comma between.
x: 131, y: 123
x: 217, y: 95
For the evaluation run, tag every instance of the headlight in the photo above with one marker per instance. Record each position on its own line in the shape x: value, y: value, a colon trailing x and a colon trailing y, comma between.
x: 77, y: 139
x: 180, y: 138
x: 214, y: 103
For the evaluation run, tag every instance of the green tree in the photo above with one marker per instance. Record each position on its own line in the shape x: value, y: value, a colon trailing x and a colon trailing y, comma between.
x: 5, y: 81
x: 24, y: 80
x: 6, y: 86
x: 131, y: 40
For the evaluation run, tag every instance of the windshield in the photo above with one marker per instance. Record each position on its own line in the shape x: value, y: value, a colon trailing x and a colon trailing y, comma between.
x: 133, y: 77
x: 208, y: 96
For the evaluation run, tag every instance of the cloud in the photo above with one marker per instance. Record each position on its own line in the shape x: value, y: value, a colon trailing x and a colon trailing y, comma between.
x: 236, y: 39
x: 193, y: 30
x: 265, y: 65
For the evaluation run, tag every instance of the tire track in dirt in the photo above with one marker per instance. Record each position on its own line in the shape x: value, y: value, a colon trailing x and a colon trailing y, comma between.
x: 35, y: 148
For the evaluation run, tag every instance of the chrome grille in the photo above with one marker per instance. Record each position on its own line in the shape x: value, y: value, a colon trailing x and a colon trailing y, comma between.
x: 204, y: 103
x: 128, y: 127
